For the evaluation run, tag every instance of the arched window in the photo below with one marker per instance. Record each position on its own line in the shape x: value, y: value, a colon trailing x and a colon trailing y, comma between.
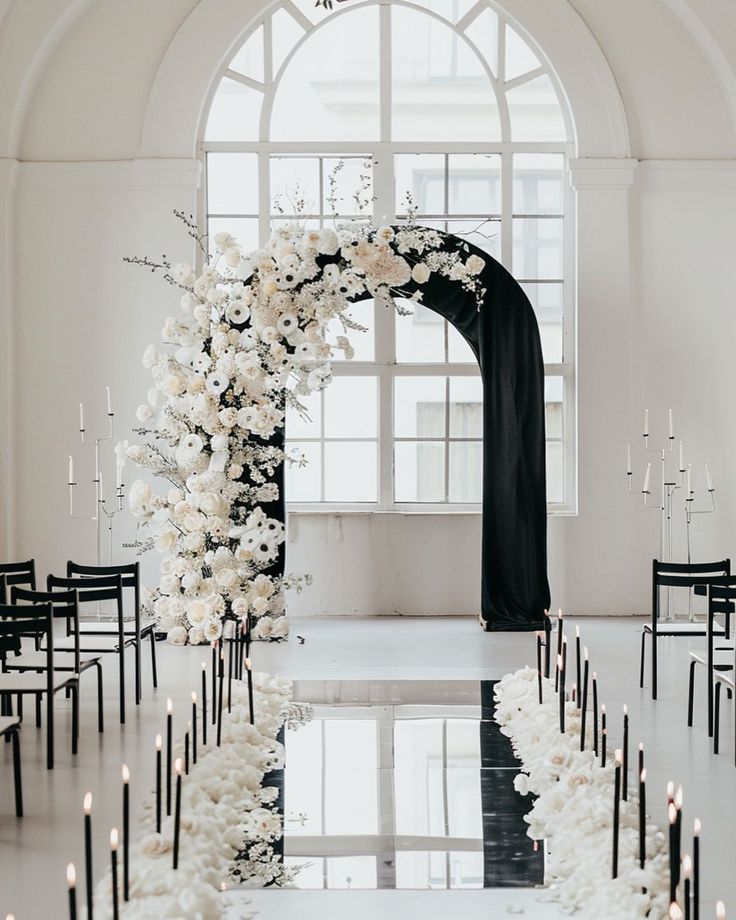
x: 357, y: 107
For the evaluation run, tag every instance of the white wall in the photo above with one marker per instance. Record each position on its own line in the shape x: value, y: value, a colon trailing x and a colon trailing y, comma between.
x: 655, y: 303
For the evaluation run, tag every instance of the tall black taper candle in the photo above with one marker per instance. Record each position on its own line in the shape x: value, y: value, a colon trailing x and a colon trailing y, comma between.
x: 214, y: 682
x: 547, y: 643
x: 186, y: 749
x: 678, y: 834
x: 158, y: 783
x: 194, y: 727
x: 230, y: 666
x: 641, y: 756
x: 560, y: 636
x: 204, y: 703
x: 177, y: 812
x: 595, y: 713
x: 220, y: 694
x: 87, y: 805
x: 642, y: 817
x: 687, y: 875
x: 585, y: 699
x: 169, y: 750
x: 696, y: 869
x: 578, y: 664
x: 603, y: 734
x: 539, y: 669
x: 251, y: 707
x: 625, y: 776
x: 561, y: 694
x: 114, y: 864
x: 71, y: 878
x: 672, y: 817
x: 618, y: 758
x: 126, y: 833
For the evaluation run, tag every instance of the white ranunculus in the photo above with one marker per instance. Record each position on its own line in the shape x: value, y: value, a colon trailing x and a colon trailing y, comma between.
x: 420, y: 273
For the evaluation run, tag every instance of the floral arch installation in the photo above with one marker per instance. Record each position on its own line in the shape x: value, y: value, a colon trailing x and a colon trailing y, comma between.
x: 251, y: 339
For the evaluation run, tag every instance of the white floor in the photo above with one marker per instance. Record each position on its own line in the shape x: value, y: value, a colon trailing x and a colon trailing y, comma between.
x: 35, y: 850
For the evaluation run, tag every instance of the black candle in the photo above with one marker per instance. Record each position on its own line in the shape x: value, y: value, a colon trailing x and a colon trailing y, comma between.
x: 564, y: 654
x: 547, y: 644
x: 603, y: 734
x: 251, y: 707
x: 214, y: 684
x: 114, y: 862
x: 169, y: 750
x: 578, y: 664
x: 158, y: 783
x: 618, y: 758
x: 230, y: 665
x: 126, y: 833
x: 642, y: 818
x: 678, y: 833
x: 186, y: 749
x: 584, y: 700
x: 194, y: 727
x: 177, y: 812
x: 71, y: 877
x: 247, y: 635
x: 561, y: 694
x: 672, y: 816
x: 88, y: 853
x: 241, y: 655
x: 539, y: 668
x: 204, y: 703
x: 696, y: 869
x: 687, y: 874
x: 595, y: 713
x: 560, y: 635
x: 641, y: 756
x: 220, y: 695
x: 625, y: 777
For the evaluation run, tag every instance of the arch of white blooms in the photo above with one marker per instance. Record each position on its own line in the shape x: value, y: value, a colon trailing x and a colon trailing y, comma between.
x: 250, y: 339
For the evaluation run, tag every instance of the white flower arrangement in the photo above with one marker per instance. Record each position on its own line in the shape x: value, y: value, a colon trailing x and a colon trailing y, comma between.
x: 228, y: 819
x: 250, y: 341
x: 573, y: 811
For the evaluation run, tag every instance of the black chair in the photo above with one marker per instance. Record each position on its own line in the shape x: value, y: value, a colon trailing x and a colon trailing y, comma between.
x: 131, y: 575
x: 10, y: 730
x: 65, y: 607
x: 19, y: 573
x: 38, y: 621
x: 694, y: 576
x: 719, y: 649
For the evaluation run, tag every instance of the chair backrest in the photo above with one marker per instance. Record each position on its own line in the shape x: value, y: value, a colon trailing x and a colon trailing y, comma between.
x: 93, y: 590
x: 17, y: 621
x: 64, y: 605
x: 130, y: 572
x: 688, y: 574
x: 19, y: 573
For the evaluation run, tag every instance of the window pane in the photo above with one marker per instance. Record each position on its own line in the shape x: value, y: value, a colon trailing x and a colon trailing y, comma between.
x: 520, y: 58
x: 538, y: 179
x: 547, y: 302
x: 450, y: 9
x: 351, y: 764
x: 466, y: 407
x: 421, y: 336
x: 329, y: 90
x: 351, y: 407
x: 351, y: 471
x: 483, y: 32
x: 299, y: 427
x: 349, y: 180
x: 474, y: 184
x: 419, y: 407
x: 363, y: 343
x: 249, y: 60
x: 303, y: 484
x: 235, y: 113
x: 358, y: 872
x: 483, y: 233
x: 554, y: 420
x: 232, y: 183
x: 537, y: 248
x: 466, y: 471
x: 294, y: 175
x: 423, y: 175
x: 440, y: 89
x: 458, y: 350
x: 303, y: 811
x: 555, y: 472
x: 419, y: 471
x: 286, y: 32
x: 534, y: 111
x: 244, y: 230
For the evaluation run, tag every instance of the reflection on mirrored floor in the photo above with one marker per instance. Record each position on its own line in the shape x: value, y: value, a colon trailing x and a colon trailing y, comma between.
x: 404, y: 784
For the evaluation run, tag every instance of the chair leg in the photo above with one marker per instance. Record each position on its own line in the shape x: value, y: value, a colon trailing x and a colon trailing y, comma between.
x: 716, y: 717
x: 691, y: 693
x: 654, y: 666
x: 641, y: 660
x: 100, y: 725
x: 17, y: 781
x: 38, y: 710
x: 137, y: 648
x: 154, y: 672
x: 121, y: 673
x: 75, y: 718
x: 50, y: 731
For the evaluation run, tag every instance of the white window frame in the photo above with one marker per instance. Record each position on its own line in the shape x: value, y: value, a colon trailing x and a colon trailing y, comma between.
x: 385, y: 368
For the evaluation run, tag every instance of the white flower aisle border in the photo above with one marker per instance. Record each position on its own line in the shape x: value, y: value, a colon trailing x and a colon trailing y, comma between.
x: 228, y: 818
x: 574, y: 809
x: 252, y: 339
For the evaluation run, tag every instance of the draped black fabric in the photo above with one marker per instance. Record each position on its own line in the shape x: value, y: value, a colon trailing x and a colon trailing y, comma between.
x: 504, y: 337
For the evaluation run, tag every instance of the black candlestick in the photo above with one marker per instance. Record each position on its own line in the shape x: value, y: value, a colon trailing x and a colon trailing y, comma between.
x: 616, y: 811
x: 214, y: 682
x: 642, y: 818
x: 539, y: 669
x: 177, y: 813
x: 114, y: 863
x: 71, y: 877
x: 88, y: 853
x: 169, y: 751
x: 194, y: 728
x: 625, y: 777
x: 595, y: 713
x: 674, y: 858
x: 584, y: 701
x: 204, y: 703
x: 696, y: 869
x: 251, y: 706
x: 230, y: 665
x: 186, y: 753
x: 547, y: 644
x: 562, y: 696
x: 221, y: 689
x: 560, y: 636
x: 126, y: 833
x: 158, y: 784
x: 578, y: 665
x: 604, y: 736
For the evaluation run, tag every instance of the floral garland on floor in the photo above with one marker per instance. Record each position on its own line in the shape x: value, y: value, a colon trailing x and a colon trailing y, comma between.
x: 573, y: 811
x: 229, y: 820
x: 251, y: 340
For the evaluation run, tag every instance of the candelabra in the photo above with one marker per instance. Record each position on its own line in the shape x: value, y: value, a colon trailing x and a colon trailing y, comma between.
x: 103, y: 511
x: 673, y: 479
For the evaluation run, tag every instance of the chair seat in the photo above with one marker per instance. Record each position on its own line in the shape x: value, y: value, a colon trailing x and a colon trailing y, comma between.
x: 7, y: 723
x: 105, y: 627
x: 683, y: 629
x: 722, y: 677
x: 723, y: 659
x: 33, y: 683
x: 90, y: 644
x: 31, y: 660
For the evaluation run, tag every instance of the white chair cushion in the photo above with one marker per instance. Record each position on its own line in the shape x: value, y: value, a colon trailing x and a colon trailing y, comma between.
x: 32, y: 683
x: 38, y: 660
x: 673, y: 628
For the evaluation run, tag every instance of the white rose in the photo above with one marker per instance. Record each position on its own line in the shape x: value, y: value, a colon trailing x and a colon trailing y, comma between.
x: 420, y: 273
x: 144, y: 413
x: 475, y: 264
x: 212, y: 630
x: 232, y: 257
x: 280, y: 628
x: 196, y: 612
x: 177, y: 635
x: 166, y: 541
x: 224, y: 241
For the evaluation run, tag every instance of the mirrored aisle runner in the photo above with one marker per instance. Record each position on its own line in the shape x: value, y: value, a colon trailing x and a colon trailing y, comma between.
x: 404, y: 785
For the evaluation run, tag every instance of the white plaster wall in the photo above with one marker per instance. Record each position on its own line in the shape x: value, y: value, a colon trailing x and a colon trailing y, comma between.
x: 655, y: 301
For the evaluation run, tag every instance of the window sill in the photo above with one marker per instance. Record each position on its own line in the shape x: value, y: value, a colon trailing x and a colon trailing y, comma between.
x: 421, y: 511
